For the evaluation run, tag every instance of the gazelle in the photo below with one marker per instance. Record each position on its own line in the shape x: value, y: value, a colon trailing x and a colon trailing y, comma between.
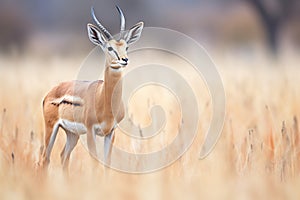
x: 92, y: 108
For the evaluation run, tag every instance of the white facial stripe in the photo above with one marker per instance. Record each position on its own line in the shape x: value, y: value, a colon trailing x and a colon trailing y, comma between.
x: 113, y: 52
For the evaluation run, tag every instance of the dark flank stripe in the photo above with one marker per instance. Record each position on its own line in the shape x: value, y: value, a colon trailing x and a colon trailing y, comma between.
x: 66, y: 102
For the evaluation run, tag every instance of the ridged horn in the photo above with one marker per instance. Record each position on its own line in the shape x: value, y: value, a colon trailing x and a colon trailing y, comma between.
x: 102, y: 28
x: 122, y: 18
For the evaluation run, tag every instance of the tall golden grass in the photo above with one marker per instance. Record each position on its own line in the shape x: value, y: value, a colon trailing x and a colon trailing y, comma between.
x: 257, y: 155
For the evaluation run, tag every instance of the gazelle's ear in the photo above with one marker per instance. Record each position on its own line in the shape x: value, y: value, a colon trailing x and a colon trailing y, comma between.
x: 134, y: 33
x: 96, y: 36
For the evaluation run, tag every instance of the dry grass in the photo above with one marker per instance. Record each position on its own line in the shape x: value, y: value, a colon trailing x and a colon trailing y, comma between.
x: 256, y: 157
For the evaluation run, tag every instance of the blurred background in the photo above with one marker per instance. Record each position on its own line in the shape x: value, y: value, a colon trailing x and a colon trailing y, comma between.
x: 240, y: 27
x: 255, y: 45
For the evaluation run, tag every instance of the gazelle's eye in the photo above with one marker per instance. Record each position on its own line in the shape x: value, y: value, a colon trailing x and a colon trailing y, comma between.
x: 110, y: 49
x: 126, y: 48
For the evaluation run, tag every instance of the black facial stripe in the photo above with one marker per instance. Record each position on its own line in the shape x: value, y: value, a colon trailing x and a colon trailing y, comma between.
x: 111, y: 49
x: 116, y: 54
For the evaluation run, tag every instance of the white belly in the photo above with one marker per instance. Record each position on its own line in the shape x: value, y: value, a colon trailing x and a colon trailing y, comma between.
x: 74, y: 127
x: 80, y: 129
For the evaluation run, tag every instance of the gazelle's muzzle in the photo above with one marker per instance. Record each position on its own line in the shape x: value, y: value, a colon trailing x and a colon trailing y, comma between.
x: 119, y: 63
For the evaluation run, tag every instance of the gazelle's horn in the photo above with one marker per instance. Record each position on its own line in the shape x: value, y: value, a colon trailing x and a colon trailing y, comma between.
x: 102, y: 28
x: 122, y: 18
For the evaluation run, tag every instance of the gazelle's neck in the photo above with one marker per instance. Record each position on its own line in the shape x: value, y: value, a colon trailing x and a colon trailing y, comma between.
x: 111, y: 91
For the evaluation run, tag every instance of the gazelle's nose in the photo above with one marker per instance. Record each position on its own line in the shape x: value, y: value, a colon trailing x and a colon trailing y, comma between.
x: 125, y: 59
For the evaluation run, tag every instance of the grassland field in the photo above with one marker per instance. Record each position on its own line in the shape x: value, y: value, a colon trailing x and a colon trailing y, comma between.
x: 257, y: 156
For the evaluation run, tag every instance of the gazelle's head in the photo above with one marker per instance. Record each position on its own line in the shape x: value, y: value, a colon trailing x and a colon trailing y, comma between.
x: 115, y: 49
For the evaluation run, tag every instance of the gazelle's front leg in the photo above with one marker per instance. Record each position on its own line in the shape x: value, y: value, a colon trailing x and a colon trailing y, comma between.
x: 91, y: 142
x: 108, y: 144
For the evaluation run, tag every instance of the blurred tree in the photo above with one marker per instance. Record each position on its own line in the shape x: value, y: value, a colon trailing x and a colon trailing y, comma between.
x: 274, y: 14
x: 15, y: 28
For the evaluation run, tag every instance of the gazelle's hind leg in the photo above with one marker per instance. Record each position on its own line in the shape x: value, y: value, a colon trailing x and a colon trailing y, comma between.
x: 51, y: 127
x: 71, y: 142
x: 48, y: 132
x: 49, y: 142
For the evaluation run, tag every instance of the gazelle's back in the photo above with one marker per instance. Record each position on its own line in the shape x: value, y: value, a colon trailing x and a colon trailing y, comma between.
x: 68, y: 97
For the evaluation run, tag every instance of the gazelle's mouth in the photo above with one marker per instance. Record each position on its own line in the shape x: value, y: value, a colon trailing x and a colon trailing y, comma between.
x: 116, y: 67
x: 118, y: 64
